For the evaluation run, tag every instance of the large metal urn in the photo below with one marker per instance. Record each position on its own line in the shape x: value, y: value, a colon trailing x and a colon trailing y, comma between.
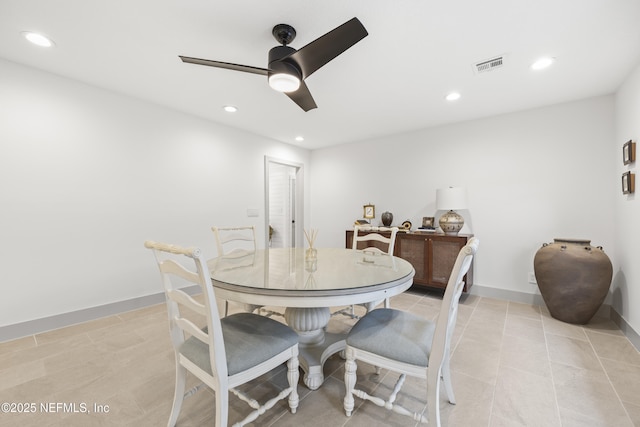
x: 573, y: 277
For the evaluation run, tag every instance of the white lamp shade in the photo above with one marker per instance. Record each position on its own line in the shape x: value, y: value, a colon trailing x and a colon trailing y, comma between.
x: 451, y: 198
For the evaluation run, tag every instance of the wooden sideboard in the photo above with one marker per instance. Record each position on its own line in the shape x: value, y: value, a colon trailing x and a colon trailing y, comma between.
x: 432, y: 256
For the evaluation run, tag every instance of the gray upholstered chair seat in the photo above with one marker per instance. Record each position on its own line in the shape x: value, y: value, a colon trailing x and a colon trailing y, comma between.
x: 249, y: 339
x: 394, y: 334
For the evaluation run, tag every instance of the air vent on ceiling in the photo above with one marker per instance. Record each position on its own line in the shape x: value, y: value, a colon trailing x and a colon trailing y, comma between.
x: 489, y: 64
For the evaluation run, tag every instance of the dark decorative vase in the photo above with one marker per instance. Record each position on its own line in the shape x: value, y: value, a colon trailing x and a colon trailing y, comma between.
x: 573, y: 277
x: 387, y: 219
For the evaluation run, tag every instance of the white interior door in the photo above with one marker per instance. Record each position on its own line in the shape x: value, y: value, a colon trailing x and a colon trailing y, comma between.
x: 284, y: 196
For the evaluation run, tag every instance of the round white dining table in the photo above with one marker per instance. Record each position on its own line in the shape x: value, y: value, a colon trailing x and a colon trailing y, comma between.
x: 307, y: 284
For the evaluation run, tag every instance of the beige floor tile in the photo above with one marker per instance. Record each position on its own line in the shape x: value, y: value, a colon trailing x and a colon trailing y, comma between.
x: 633, y: 411
x: 493, y: 304
x: 498, y: 421
x: 604, y: 325
x: 524, y: 327
x: 524, y: 310
x: 12, y: 376
x: 614, y: 347
x: 17, y: 344
x: 39, y: 352
x: 477, y: 358
x: 489, y: 314
x: 557, y: 327
x: 578, y: 388
x: 572, y: 352
x: 473, y: 402
x: 575, y: 419
x: 625, y: 379
x: 526, y: 398
x: 525, y: 354
x: 57, y: 334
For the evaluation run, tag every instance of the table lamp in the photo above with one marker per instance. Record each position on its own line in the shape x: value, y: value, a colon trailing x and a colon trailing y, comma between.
x: 450, y: 199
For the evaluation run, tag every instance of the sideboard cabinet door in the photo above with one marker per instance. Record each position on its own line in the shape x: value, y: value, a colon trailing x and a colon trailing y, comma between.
x: 442, y: 254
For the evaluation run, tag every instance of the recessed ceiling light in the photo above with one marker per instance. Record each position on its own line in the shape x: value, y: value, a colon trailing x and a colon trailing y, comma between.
x: 230, y: 108
x: 37, y: 39
x: 299, y: 138
x: 542, y: 63
x: 453, y: 96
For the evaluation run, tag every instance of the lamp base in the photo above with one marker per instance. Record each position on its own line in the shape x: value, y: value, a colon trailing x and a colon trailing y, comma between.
x: 451, y: 223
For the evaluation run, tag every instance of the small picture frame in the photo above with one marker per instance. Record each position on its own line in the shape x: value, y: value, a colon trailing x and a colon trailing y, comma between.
x: 369, y: 211
x: 628, y: 183
x: 629, y: 152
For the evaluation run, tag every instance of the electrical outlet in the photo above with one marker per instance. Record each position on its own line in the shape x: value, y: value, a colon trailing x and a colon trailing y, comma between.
x: 532, y: 278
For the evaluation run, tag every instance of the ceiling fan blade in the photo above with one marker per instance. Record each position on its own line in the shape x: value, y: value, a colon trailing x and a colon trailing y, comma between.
x: 227, y: 65
x: 323, y: 49
x: 302, y: 97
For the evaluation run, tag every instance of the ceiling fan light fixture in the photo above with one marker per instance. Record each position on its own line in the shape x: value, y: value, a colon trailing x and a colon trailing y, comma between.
x: 283, y: 82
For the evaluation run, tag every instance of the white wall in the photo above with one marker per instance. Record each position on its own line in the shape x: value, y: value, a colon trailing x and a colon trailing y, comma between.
x: 87, y: 175
x: 626, y: 284
x: 530, y: 176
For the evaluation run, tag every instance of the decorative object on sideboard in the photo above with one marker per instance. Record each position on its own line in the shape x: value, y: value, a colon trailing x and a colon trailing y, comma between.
x: 406, y: 226
x: 428, y: 222
x: 361, y: 222
x: 628, y: 183
x: 369, y: 211
x: 629, y: 152
x: 387, y: 218
x: 451, y: 199
x: 573, y: 277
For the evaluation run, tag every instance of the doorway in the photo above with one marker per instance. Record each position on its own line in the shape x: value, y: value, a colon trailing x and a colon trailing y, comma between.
x: 284, y: 191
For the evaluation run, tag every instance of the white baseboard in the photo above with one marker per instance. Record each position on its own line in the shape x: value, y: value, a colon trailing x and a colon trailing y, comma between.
x: 37, y: 326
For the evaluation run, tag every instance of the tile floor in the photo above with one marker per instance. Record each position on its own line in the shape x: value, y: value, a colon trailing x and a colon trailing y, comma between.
x: 513, y: 365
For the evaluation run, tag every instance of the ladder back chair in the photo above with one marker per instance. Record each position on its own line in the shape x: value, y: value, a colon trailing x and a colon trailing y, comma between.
x: 234, y: 242
x: 409, y: 345
x: 225, y: 353
x: 367, y: 239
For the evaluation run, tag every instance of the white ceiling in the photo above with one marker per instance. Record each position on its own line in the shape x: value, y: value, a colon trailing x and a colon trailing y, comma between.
x: 393, y: 81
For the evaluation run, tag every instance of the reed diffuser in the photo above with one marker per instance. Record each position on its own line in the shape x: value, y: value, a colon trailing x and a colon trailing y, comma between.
x: 311, y: 252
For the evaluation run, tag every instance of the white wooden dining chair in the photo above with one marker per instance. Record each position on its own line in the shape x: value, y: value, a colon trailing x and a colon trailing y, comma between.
x: 227, y: 352
x: 409, y: 345
x: 369, y: 239
x: 235, y: 242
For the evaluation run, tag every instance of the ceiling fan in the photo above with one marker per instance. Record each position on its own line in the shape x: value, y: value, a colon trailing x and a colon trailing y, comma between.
x: 288, y: 67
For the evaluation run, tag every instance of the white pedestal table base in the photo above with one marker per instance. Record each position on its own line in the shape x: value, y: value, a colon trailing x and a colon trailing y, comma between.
x: 316, y: 345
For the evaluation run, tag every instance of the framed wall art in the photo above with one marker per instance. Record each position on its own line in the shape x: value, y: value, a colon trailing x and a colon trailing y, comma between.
x: 369, y: 211
x: 628, y: 183
x: 629, y: 152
